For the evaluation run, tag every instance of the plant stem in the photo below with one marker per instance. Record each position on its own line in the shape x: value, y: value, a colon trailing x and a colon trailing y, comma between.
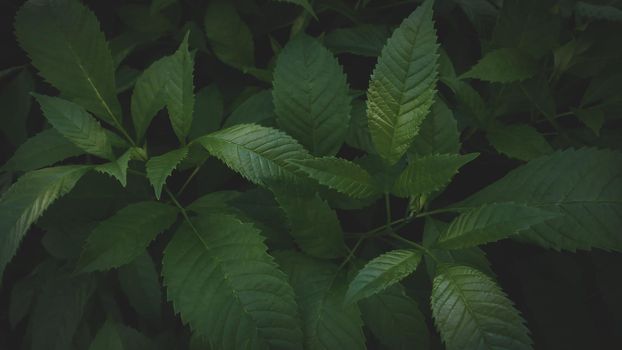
x: 180, y: 207
x: 194, y: 172
x: 387, y: 204
x: 351, y: 254
x: 437, y: 211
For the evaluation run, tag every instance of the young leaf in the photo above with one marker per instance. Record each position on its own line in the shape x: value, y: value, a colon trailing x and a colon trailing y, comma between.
x: 140, y: 282
x: 490, y: 223
x: 107, y: 338
x: 403, y: 85
x: 339, y: 174
x: 159, y: 168
x: 118, y: 168
x: 74, y: 56
x: 258, y: 153
x: 179, y: 95
x: 119, y: 239
x: 472, y: 312
x: 77, y: 125
x: 327, y: 322
x: 228, y: 35
x: 583, y: 186
x: 518, y: 141
x: 44, y: 149
x: 314, y: 224
x: 217, y: 269
x: 438, y: 134
x: 395, y: 319
x: 27, y: 199
x: 429, y: 173
x: 382, y: 272
x: 311, y: 96
x: 58, y: 311
x: 503, y: 66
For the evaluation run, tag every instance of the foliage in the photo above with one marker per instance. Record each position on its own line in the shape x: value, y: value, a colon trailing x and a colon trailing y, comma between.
x: 311, y: 174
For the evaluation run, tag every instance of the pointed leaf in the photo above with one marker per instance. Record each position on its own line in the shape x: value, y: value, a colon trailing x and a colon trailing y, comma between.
x: 228, y: 35
x: 159, y: 168
x: 27, y: 199
x: 430, y: 173
x: 180, y: 91
x: 44, y: 149
x: 519, y: 141
x: 140, y: 282
x: 311, y: 96
x: 395, y: 319
x: 259, y: 154
x: 118, y: 168
x: 382, y: 272
x: 314, y: 224
x: 490, y: 223
x: 364, y: 40
x: 74, y: 57
x: 583, y: 186
x: 472, y: 312
x: 320, y: 288
x: 503, y: 66
x: 339, y: 174
x: 119, y: 239
x: 438, y: 134
x: 218, y: 270
x: 358, y: 135
x: 148, y: 96
x: 76, y: 125
x: 403, y: 85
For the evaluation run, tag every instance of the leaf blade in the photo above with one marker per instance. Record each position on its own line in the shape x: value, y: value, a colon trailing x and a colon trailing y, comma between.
x: 159, y: 168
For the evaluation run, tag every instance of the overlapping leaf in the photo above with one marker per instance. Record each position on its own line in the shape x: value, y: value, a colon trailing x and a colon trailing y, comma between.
x: 228, y: 35
x: 74, y: 57
x: 159, y: 168
x: 27, y: 199
x: 403, y: 85
x: 472, y: 312
x: 118, y: 167
x: 438, y: 134
x: 583, y: 186
x: 140, y: 282
x: 311, y: 96
x: 122, y: 237
x: 260, y: 154
x: 46, y: 148
x: 518, y: 141
x: 224, y: 284
x: 503, y: 66
x: 382, y: 272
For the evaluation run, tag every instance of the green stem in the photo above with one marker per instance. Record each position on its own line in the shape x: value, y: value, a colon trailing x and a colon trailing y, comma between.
x: 181, y: 209
x: 351, y: 254
x: 414, y: 244
x: 192, y: 175
x: 437, y: 211
x: 387, y: 204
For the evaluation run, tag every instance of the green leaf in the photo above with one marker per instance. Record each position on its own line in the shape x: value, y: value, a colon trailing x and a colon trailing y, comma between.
x: 314, y: 224
x: 159, y: 168
x: 218, y: 270
x: 473, y: 257
x: 382, y: 272
x: 472, y: 312
x: 180, y: 90
x: 364, y: 40
x: 228, y: 35
x: 119, y: 239
x: 107, y: 338
x: 358, y: 135
x: 58, y: 311
x: 159, y: 5
x: 118, y: 167
x: 583, y: 186
x: 140, y: 282
x: 592, y: 118
x: 77, y: 125
x: 149, y: 93
x: 490, y: 223
x: 15, y: 101
x: 208, y: 111
x: 593, y: 11
x: 257, y: 109
x: 519, y: 141
x: 74, y: 57
x: 310, y: 96
x: 259, y: 154
x: 395, y: 319
x: 403, y: 84
x: 320, y: 288
x: 302, y: 3
x: 503, y: 66
x: 25, y: 290
x: 339, y: 174
x: 46, y: 148
x: 429, y: 173
x: 438, y: 134
x: 27, y: 199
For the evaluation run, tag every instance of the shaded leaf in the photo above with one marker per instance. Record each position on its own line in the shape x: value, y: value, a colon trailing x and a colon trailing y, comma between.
x: 107, y: 338
x: 364, y: 40
x: 438, y: 134
x: 140, y: 282
x: 228, y: 35
x: 519, y: 141
x: 15, y: 101
x: 503, y: 66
